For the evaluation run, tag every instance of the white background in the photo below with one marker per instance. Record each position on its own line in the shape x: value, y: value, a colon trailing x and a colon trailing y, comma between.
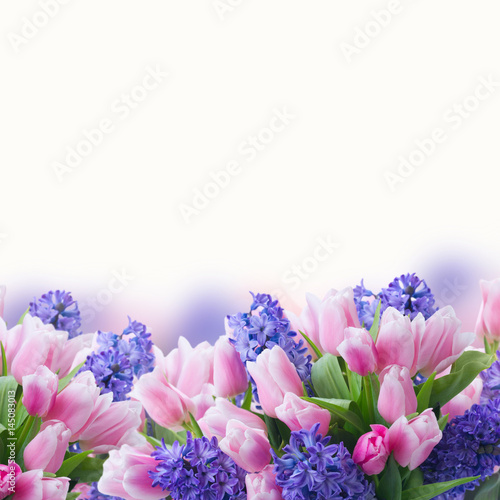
x: 323, y: 176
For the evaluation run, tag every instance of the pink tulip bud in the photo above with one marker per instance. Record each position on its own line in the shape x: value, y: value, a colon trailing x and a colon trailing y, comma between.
x: 55, y: 488
x: 40, y: 391
x: 125, y: 473
x: 76, y: 403
x: 230, y: 376
x: 32, y: 485
x: 8, y: 477
x: 274, y: 375
x: 370, y: 452
x: 215, y: 420
x: 488, y: 321
x: 462, y: 402
x: 298, y: 414
x: 166, y: 404
x: 262, y: 486
x: 358, y: 350
x: 46, y: 450
x: 397, y: 396
x: 442, y: 343
x: 248, y: 447
x: 398, y: 340
x: 412, y: 442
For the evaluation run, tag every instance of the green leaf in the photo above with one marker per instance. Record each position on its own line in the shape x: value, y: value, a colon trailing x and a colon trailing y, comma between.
x: 21, y: 319
x: 8, y: 387
x: 345, y: 409
x: 151, y: 440
x: 67, y: 379
x: 415, y: 480
x: 69, y: 465
x: 88, y: 471
x: 442, y: 422
x: 73, y: 495
x: 376, y: 322
x: 247, y: 401
x: 424, y: 394
x: 428, y: 491
x: 170, y: 437
x: 4, y: 361
x: 490, y: 488
x: 328, y: 380
x: 273, y: 432
x: 465, y: 369
x: 312, y: 344
x: 198, y: 433
x: 355, y: 383
x: 390, y: 487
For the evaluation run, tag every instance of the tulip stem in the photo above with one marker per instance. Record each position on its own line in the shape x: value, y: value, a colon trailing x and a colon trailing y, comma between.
x: 28, y: 425
x: 369, y: 399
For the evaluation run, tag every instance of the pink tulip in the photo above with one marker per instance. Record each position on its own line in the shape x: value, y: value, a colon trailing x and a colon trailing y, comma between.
x: 324, y: 321
x: 32, y: 485
x: 204, y: 400
x: 55, y: 488
x: 488, y: 321
x: 298, y: 414
x: 76, y: 403
x: 83, y: 489
x: 230, y: 376
x: 442, y: 343
x: 215, y: 420
x: 398, y: 340
x: 462, y: 402
x: 262, y: 486
x: 248, y: 447
x: 8, y: 477
x: 40, y: 391
x: 46, y: 450
x: 371, y: 452
x: 358, y: 350
x: 166, y: 404
x: 73, y: 353
x: 397, y: 396
x: 412, y: 442
x: 125, y: 473
x: 274, y: 375
x: 2, y: 299
x: 111, y: 428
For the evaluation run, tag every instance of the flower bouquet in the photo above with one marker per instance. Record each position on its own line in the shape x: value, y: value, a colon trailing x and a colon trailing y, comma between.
x: 361, y: 396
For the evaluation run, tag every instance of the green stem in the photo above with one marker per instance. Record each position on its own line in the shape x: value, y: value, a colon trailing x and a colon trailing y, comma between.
x: 369, y: 402
x: 26, y: 430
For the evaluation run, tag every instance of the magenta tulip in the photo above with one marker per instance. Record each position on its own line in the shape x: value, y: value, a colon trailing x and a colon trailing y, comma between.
x: 274, y: 375
x: 8, y: 477
x: 462, y: 402
x: 398, y: 340
x: 46, y: 450
x: 230, y: 376
x: 262, y: 485
x: 442, y: 343
x: 488, y: 321
x: 298, y: 414
x: 412, y: 442
x: 397, y: 396
x: 40, y: 391
x: 358, y: 350
x: 215, y: 420
x: 370, y: 452
x: 248, y: 447
x: 29, y: 486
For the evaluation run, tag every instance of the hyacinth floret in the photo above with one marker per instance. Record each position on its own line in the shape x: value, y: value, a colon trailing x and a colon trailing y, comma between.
x: 197, y: 470
x: 265, y: 327
x: 470, y: 447
x: 58, y: 309
x: 491, y: 381
x: 313, y: 468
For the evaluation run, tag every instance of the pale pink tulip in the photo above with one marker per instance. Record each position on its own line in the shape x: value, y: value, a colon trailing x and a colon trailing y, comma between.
x: 125, y: 473
x: 397, y: 396
x: 371, y: 452
x: 398, y: 340
x: 462, y: 402
x: 39, y: 391
x: 412, y: 442
x: 55, y: 488
x: 488, y: 321
x: 358, y: 350
x: 230, y: 376
x: 248, y: 447
x: 262, y: 486
x: 46, y: 450
x: 442, y: 343
x: 298, y: 414
x: 2, y: 299
x: 29, y: 486
x: 215, y: 420
x: 274, y: 375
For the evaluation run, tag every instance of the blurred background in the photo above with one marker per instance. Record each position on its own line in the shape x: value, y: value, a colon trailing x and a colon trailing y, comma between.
x: 161, y: 160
